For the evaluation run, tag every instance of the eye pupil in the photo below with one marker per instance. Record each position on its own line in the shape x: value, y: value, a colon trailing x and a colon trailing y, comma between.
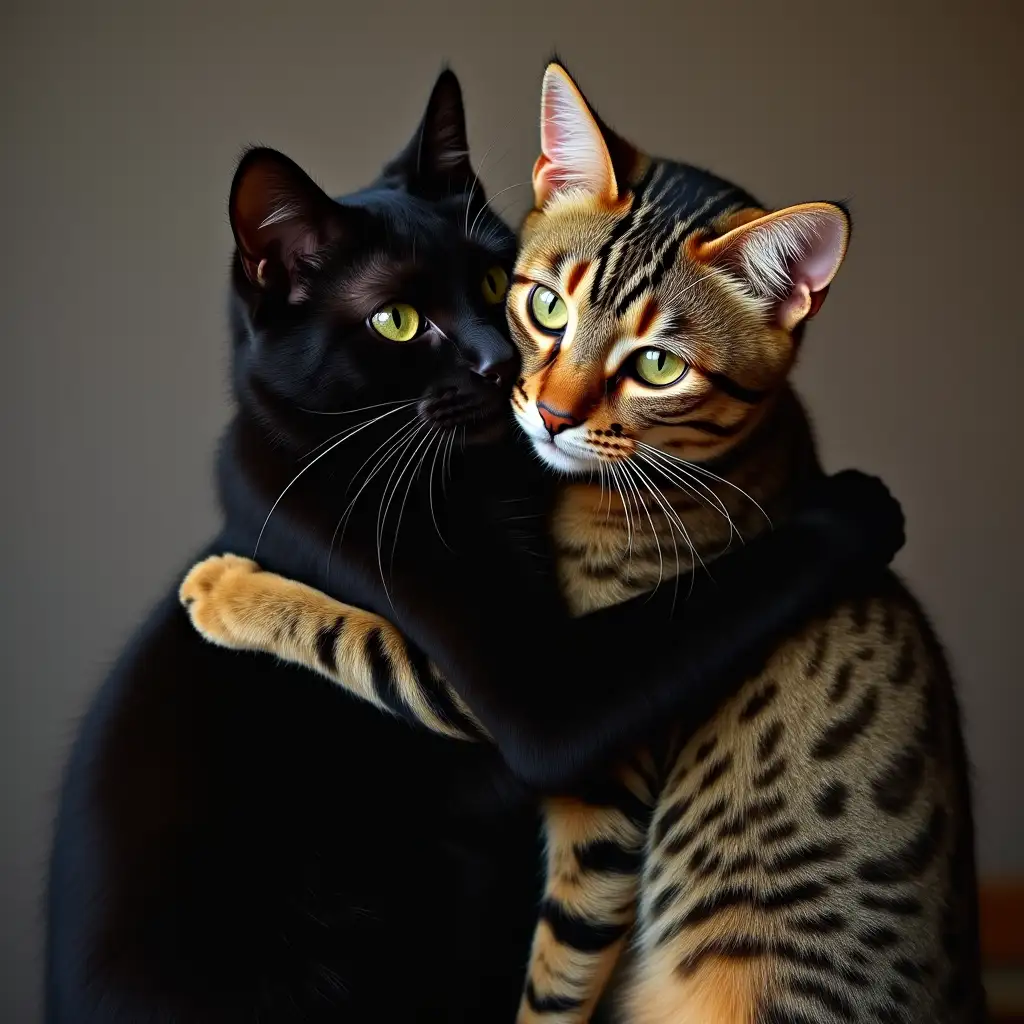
x: 396, y: 317
x: 661, y: 360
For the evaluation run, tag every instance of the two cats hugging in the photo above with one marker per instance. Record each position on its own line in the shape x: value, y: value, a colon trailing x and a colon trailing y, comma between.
x: 564, y: 685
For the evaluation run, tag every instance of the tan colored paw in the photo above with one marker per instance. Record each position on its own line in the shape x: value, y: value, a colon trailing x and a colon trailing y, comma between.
x: 206, y: 591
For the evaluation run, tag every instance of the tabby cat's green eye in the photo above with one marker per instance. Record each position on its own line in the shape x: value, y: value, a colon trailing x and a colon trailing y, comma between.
x: 548, y: 310
x: 397, y: 321
x: 494, y: 285
x: 659, y: 368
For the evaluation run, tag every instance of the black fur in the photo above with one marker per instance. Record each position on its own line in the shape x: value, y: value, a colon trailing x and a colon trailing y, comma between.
x: 240, y: 841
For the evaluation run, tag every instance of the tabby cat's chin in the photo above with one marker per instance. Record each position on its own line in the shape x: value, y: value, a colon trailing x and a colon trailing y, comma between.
x: 562, y: 461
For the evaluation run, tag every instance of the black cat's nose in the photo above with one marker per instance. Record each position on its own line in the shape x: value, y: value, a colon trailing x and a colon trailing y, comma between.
x: 486, y: 351
x: 497, y: 371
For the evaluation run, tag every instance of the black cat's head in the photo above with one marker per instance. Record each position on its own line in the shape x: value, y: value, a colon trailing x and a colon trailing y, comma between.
x: 390, y: 295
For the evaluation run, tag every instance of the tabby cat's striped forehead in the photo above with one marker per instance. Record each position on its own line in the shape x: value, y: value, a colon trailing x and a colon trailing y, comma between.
x: 669, y: 203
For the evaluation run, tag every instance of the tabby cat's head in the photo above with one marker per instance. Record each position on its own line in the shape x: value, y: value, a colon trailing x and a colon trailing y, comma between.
x: 653, y: 304
x: 391, y: 294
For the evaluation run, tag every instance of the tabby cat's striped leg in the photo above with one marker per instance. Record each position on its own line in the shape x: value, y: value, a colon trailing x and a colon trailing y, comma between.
x: 594, y: 852
x: 233, y: 603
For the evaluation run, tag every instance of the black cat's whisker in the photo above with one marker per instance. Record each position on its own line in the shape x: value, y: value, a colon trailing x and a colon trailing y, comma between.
x: 350, y: 508
x: 397, y: 440
x: 357, y: 430
x: 500, y: 192
x: 351, y: 427
x: 478, y: 177
x: 390, y: 491
x: 441, y: 437
x: 446, y: 464
x: 413, y: 474
x: 352, y: 412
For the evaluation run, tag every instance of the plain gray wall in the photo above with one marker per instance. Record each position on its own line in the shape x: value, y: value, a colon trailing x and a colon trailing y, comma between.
x: 120, y: 128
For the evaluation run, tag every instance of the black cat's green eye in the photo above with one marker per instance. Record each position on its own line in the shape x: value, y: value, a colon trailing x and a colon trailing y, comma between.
x: 494, y: 285
x: 397, y: 321
x: 548, y: 310
x: 659, y: 368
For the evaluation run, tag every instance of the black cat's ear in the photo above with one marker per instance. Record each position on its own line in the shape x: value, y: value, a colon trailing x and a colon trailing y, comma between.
x: 435, y: 163
x: 282, y: 221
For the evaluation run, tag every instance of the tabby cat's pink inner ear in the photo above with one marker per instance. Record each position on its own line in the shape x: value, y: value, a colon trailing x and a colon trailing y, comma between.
x: 789, y: 257
x: 573, y: 151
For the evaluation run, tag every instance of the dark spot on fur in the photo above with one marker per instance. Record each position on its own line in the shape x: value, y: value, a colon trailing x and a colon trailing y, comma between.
x: 831, y: 800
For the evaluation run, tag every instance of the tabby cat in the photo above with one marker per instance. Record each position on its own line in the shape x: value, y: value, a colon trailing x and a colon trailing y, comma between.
x: 808, y: 854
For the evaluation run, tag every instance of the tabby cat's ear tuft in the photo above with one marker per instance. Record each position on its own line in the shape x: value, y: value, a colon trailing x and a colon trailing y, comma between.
x: 281, y: 219
x: 788, y: 258
x: 435, y: 163
x: 573, y: 152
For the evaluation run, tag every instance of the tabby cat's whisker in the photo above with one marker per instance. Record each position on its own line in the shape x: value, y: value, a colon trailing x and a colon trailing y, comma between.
x: 695, y: 467
x: 666, y: 508
x: 696, y: 495
x: 676, y: 522
x: 678, y: 476
x: 313, y: 462
x: 641, y: 503
x: 629, y: 518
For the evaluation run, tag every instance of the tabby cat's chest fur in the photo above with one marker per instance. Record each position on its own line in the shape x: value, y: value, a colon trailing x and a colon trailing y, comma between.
x: 810, y: 853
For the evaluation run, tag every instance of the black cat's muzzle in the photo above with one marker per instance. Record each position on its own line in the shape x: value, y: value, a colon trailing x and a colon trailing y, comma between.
x: 480, y: 411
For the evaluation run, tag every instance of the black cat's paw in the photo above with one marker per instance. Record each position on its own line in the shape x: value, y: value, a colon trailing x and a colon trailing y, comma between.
x: 859, y: 512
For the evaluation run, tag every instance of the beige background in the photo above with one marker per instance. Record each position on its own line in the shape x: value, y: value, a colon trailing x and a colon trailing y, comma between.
x: 120, y: 128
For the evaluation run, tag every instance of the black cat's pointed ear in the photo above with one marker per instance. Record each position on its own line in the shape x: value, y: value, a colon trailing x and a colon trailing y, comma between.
x: 435, y: 163
x: 282, y: 221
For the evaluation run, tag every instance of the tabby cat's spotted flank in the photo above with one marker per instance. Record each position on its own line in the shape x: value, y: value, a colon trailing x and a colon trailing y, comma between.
x: 807, y: 856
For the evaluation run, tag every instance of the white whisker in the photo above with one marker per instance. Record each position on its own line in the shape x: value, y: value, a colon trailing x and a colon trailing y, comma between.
x: 391, y: 491
x: 441, y: 437
x: 352, y: 412
x: 641, y: 503
x: 501, y: 192
x: 696, y: 467
x: 414, y: 473
x: 679, y: 477
x: 401, y: 433
x: 629, y: 518
x: 313, y: 462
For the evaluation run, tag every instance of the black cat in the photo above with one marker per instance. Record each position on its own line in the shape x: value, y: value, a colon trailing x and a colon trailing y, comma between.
x: 231, y: 845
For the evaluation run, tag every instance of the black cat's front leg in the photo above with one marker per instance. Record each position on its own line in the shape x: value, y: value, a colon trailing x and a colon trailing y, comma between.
x: 567, y: 695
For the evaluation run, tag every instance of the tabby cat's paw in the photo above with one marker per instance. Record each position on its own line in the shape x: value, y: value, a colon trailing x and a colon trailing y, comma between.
x: 206, y: 595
